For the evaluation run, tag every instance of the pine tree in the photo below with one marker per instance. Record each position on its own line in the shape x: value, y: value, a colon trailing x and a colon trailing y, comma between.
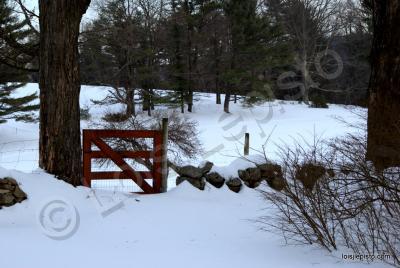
x: 252, y: 39
x: 15, y: 54
x: 212, y: 39
x: 15, y: 108
x: 19, y: 46
x: 176, y: 51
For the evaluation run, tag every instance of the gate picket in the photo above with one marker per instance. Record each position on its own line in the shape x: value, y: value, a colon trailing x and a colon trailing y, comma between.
x: 105, y: 151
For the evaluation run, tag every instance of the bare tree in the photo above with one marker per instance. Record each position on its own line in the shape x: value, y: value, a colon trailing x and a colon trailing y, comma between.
x: 310, y: 24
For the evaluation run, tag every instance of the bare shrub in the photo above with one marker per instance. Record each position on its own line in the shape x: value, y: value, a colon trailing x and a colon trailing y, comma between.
x: 183, y: 141
x: 114, y: 117
x: 304, y: 214
x: 368, y: 201
x: 309, y: 174
x: 347, y: 203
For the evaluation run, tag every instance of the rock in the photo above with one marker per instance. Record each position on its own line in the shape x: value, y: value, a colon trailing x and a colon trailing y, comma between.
x: 190, y: 171
x: 235, y: 184
x: 198, y: 183
x: 251, y: 177
x: 7, y: 200
x: 193, y: 172
x: 207, y: 167
x: 309, y: 174
x: 272, y: 173
x: 277, y: 183
x: 270, y: 170
x: 2, y: 191
x: 19, y: 194
x: 10, y: 192
x: 10, y: 181
x: 215, y: 179
x: 7, y: 186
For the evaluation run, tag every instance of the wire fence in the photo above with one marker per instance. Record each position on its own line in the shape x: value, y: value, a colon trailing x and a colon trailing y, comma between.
x: 20, y: 154
x: 23, y: 154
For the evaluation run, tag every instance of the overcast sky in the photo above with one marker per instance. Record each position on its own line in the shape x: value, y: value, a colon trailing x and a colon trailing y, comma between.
x: 34, y: 4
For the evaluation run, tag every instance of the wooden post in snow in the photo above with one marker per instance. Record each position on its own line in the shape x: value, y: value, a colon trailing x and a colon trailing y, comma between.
x: 164, y: 165
x: 246, y: 144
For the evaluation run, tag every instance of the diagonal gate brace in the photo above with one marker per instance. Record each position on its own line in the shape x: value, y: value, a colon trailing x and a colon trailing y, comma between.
x: 125, y: 167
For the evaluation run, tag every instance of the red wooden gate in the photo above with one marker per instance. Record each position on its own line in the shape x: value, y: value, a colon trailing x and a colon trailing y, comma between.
x: 105, y: 151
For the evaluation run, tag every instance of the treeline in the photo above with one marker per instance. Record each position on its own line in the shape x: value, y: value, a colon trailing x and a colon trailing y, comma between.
x: 306, y: 50
x: 286, y: 49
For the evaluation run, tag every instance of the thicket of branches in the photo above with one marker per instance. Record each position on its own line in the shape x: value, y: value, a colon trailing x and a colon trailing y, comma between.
x: 183, y: 141
x: 334, y: 197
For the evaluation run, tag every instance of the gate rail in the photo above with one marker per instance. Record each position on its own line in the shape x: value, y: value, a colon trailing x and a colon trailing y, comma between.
x: 96, y: 137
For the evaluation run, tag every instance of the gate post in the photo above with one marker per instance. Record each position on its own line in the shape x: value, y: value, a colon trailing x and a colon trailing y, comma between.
x: 164, y: 160
x: 87, y: 161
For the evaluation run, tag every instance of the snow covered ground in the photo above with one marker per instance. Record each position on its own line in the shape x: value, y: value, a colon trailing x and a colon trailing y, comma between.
x: 222, y: 135
x: 62, y: 226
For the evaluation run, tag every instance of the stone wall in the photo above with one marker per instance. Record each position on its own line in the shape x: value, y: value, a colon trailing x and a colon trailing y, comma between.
x: 10, y: 192
x: 251, y: 177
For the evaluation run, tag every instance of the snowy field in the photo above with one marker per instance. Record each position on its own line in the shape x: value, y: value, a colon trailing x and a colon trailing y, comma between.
x: 222, y: 135
x: 62, y: 226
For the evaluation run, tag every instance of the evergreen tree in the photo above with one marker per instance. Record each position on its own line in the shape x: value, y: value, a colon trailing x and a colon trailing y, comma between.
x: 253, y: 37
x: 19, y: 108
x: 19, y: 46
x: 15, y: 53
x: 213, y: 42
x: 97, y: 66
x: 176, y: 53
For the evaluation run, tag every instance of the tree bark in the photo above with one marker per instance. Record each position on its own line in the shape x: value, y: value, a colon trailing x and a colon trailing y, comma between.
x: 305, y: 78
x: 190, y: 101
x: 218, y: 98
x: 130, y: 92
x: 182, y: 102
x: 146, y: 100
x: 130, y: 101
x: 152, y: 99
x: 60, y: 143
x: 226, y: 102
x: 384, y: 102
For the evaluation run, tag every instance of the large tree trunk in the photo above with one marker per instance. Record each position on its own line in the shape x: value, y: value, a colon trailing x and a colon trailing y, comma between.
x: 384, y: 88
x: 60, y: 143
